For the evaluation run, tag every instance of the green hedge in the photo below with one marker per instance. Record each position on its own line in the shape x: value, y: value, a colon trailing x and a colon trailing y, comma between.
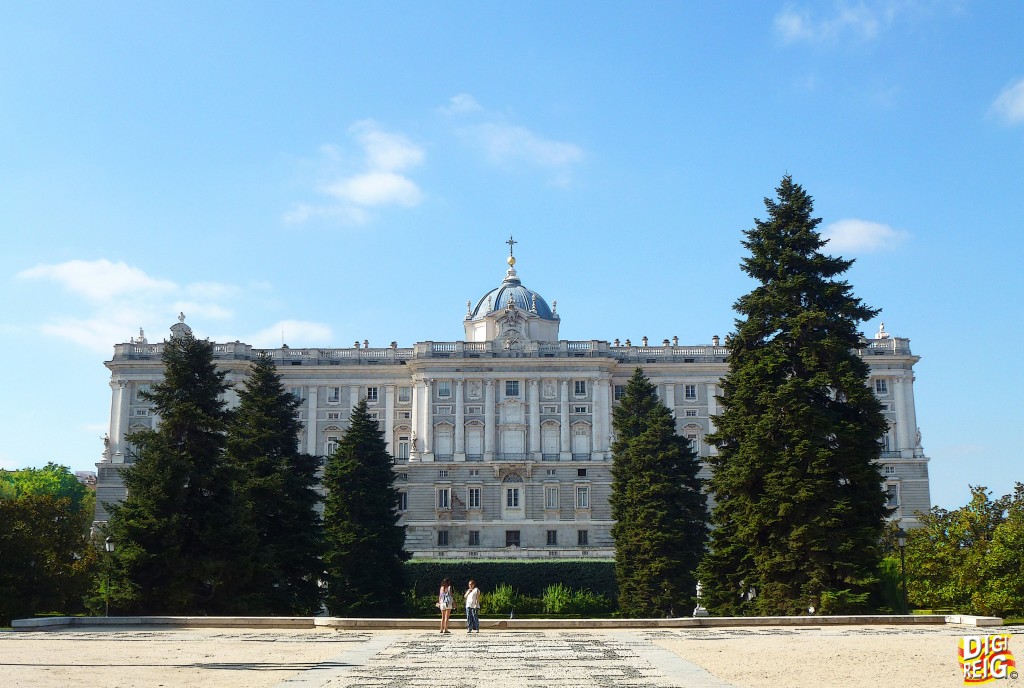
x: 529, y: 578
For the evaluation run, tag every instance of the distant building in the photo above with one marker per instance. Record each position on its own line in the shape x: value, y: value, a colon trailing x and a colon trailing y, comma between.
x: 87, y: 478
x: 501, y: 440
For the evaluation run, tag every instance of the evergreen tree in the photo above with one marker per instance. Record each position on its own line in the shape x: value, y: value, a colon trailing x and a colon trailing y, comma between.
x: 799, y: 507
x: 182, y: 545
x: 365, y: 544
x: 278, y: 487
x: 659, y: 510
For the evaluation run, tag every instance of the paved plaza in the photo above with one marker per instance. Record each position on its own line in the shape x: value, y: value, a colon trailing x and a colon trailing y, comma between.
x: 847, y: 656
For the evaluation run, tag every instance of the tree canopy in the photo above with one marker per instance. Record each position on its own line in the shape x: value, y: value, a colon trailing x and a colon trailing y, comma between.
x: 182, y: 542
x: 45, y: 555
x: 659, y: 510
x: 365, y: 545
x: 799, y: 508
x: 278, y: 490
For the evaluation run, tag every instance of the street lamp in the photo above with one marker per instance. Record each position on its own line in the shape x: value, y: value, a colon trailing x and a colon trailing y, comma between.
x: 109, y: 544
x: 901, y: 540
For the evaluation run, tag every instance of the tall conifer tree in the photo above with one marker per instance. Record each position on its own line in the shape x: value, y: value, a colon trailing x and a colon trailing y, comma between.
x: 799, y: 507
x: 365, y: 544
x: 182, y: 545
x: 659, y: 510
x: 278, y: 487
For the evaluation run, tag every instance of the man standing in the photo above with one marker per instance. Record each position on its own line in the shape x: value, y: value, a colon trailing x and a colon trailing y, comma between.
x: 472, y: 596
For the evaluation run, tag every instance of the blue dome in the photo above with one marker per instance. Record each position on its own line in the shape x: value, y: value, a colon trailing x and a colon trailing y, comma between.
x: 512, y: 290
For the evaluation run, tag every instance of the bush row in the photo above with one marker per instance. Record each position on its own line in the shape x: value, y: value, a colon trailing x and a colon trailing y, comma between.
x: 555, y: 600
x: 527, y: 578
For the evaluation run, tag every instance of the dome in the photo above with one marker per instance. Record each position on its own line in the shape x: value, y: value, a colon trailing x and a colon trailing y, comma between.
x: 512, y: 290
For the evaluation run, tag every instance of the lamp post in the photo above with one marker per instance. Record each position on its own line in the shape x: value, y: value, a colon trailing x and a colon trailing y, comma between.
x: 109, y: 545
x: 901, y: 540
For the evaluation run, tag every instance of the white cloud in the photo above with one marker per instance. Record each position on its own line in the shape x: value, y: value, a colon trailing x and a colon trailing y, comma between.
x: 122, y: 298
x: 386, y: 151
x: 861, y: 20
x: 461, y: 104
x: 861, y: 236
x: 1009, y: 106
x: 376, y: 188
x: 508, y: 144
x: 379, y: 182
x: 295, y: 333
x: 99, y: 280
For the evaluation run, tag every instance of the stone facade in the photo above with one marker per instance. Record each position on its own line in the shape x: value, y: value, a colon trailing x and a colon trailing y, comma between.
x: 502, y: 440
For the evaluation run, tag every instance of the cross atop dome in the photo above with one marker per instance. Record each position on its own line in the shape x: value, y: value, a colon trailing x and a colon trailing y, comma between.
x: 511, y: 243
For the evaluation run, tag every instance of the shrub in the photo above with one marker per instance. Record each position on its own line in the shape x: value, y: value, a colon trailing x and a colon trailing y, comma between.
x: 557, y: 599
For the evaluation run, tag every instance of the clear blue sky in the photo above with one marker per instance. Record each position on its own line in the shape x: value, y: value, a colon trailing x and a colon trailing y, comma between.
x: 349, y: 170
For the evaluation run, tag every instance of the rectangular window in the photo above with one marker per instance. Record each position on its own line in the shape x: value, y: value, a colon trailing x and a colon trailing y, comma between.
x: 374, y: 415
x: 881, y: 386
x: 620, y: 391
x: 474, y: 538
x: 694, y: 441
x: 443, y: 410
x: 473, y: 497
x: 295, y: 392
x: 580, y: 388
x: 403, y: 415
x: 552, y: 538
x: 511, y: 388
x: 581, y: 409
x: 512, y: 497
x: 371, y: 394
x: 403, y: 447
x: 444, y: 498
x: 550, y: 409
x: 402, y: 478
x: 474, y: 471
x: 331, y: 445
x: 512, y: 538
x: 474, y: 410
x: 890, y: 470
x: 403, y: 501
x: 442, y: 538
x: 333, y: 395
x: 582, y: 497
x: 691, y: 413
x: 690, y: 392
x: 141, y: 390
x: 552, y: 471
x: 141, y: 412
x: 892, y: 495
x: 444, y: 388
x: 581, y: 472
x: 334, y: 415
x: 551, y: 496
x: 582, y: 538
x: 404, y: 395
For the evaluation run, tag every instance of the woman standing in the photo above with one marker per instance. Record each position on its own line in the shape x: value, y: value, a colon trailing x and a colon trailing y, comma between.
x: 444, y: 603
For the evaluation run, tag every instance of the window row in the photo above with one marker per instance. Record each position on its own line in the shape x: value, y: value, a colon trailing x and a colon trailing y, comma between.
x: 512, y: 497
x: 513, y: 538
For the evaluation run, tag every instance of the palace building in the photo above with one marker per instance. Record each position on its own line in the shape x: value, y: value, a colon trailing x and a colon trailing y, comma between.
x: 502, y: 439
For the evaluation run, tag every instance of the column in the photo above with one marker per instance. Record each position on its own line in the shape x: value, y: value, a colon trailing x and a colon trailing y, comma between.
x: 428, y: 421
x: 417, y: 405
x: 712, y: 409
x: 118, y: 419
x: 600, y: 431
x: 389, y: 419
x: 566, y: 449
x: 353, y: 398
x: 534, y: 420
x: 489, y: 426
x: 460, y: 423
x: 311, y: 434
x: 910, y: 409
x: 906, y: 425
x: 670, y: 397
